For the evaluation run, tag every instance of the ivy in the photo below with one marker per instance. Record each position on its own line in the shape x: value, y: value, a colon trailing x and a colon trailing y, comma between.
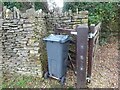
x: 97, y: 11
x: 12, y: 4
x: 105, y: 12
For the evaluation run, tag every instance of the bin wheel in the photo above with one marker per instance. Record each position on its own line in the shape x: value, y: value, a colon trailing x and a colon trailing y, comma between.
x: 88, y: 80
x: 62, y: 81
x: 46, y: 75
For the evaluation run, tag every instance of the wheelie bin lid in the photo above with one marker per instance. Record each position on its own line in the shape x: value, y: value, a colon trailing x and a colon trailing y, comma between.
x: 57, y: 38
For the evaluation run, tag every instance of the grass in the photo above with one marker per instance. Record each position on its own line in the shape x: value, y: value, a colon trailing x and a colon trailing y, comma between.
x: 17, y: 82
x: 20, y: 81
x: 24, y: 81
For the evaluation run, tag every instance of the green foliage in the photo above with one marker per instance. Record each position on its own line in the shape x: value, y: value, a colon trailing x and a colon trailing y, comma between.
x: 41, y: 5
x: 21, y: 83
x: 38, y: 5
x: 97, y: 11
x: 12, y: 4
x: 27, y: 5
x: 70, y: 88
x: 105, y: 12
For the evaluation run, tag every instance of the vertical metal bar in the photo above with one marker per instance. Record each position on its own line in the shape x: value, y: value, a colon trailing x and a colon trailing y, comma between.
x: 55, y: 29
x: 82, y: 37
x: 90, y: 53
x: 90, y: 56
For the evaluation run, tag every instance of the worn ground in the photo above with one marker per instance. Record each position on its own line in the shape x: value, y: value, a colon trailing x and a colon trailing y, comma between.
x: 105, y: 73
x: 105, y: 68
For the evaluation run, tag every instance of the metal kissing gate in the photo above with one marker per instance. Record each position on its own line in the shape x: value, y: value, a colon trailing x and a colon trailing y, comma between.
x: 86, y: 42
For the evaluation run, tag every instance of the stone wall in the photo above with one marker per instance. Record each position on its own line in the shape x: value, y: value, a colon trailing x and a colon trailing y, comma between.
x: 22, y: 44
x: 67, y: 19
x: 0, y: 46
x: 23, y: 50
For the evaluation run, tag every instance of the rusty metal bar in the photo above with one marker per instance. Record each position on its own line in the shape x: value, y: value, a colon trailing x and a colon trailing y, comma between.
x: 90, y: 53
x: 67, y: 31
x: 64, y: 30
x: 82, y: 42
x: 95, y: 30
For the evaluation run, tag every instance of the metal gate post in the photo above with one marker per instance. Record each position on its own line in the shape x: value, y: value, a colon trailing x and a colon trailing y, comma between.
x: 90, y: 53
x: 82, y: 42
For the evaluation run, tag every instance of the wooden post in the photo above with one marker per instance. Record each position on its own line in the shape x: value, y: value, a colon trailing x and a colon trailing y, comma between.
x: 90, y: 53
x: 55, y: 29
x: 82, y: 42
x: 92, y: 44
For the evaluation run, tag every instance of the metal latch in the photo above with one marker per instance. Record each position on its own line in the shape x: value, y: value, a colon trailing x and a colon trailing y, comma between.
x: 92, y: 35
x: 74, y: 33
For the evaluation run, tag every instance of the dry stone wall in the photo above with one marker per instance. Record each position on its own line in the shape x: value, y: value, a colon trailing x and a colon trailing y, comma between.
x: 68, y: 19
x: 23, y: 50
x: 22, y: 44
x: 0, y: 48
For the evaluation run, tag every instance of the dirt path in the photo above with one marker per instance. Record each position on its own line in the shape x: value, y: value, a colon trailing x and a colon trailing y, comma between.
x: 105, y: 68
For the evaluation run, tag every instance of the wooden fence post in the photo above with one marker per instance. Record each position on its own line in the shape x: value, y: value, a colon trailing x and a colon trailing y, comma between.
x: 92, y: 46
x: 90, y: 53
x: 82, y: 42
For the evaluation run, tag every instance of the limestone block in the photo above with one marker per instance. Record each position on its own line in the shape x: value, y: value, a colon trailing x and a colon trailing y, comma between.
x: 15, y: 28
x: 36, y: 48
x: 27, y: 25
x: 30, y: 12
x: 24, y: 16
x: 10, y: 31
x: 36, y: 44
x: 33, y: 52
x: 21, y: 21
x: 8, y: 13
x: 84, y: 20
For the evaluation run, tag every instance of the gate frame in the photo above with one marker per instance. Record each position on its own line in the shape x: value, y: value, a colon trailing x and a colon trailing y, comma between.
x: 87, y: 38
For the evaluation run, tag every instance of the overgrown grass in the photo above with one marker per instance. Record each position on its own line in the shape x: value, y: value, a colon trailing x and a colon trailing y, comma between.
x: 21, y: 81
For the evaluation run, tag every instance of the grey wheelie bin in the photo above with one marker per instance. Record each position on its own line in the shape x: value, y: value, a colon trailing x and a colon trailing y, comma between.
x: 57, y: 52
